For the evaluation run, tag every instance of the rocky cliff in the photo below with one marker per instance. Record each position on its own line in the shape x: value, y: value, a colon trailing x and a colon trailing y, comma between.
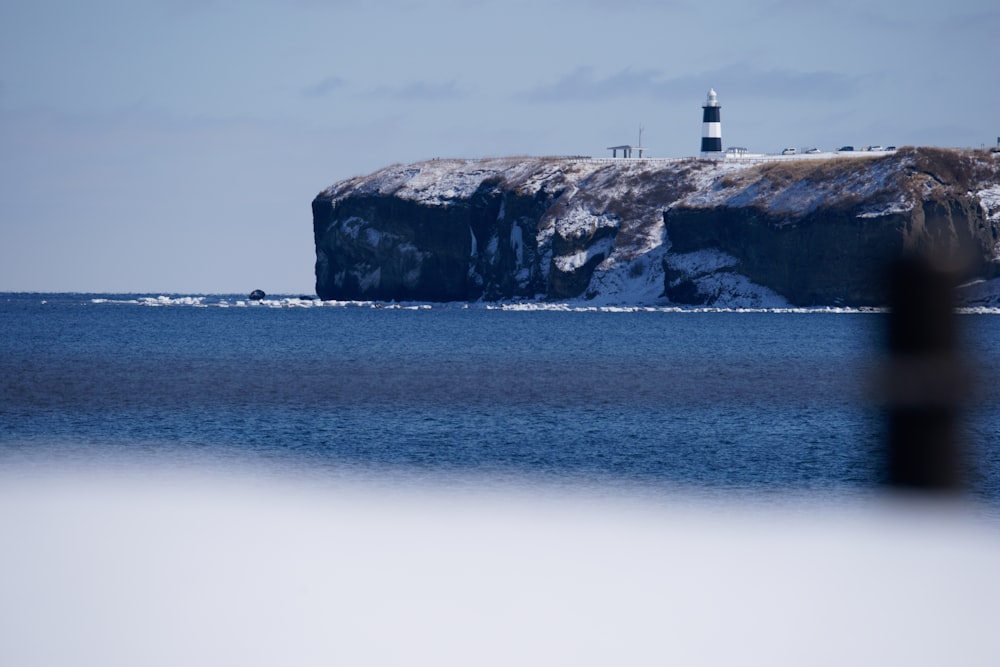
x: 745, y: 233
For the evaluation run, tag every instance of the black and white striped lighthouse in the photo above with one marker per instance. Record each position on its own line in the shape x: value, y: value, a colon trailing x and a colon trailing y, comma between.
x: 711, y: 127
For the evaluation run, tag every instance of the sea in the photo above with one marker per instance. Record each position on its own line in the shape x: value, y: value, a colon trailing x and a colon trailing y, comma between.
x: 608, y: 399
x: 205, y: 479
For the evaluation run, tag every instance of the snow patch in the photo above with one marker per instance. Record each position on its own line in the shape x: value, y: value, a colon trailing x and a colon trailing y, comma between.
x: 980, y: 293
x: 798, y: 196
x: 892, y: 208
x: 639, y: 281
x: 370, y: 279
x: 731, y: 290
x: 603, y: 303
x: 580, y: 222
x: 522, y: 277
x: 568, y: 263
x: 352, y: 226
x: 711, y: 272
x: 700, y: 261
x: 989, y: 200
x: 373, y: 237
x: 517, y: 244
x: 439, y: 182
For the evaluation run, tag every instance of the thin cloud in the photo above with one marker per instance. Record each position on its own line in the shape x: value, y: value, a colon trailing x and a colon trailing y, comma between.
x: 864, y: 16
x: 421, y: 91
x: 661, y: 6
x: 324, y: 87
x: 781, y: 83
x: 987, y: 20
x: 858, y: 14
x: 583, y: 84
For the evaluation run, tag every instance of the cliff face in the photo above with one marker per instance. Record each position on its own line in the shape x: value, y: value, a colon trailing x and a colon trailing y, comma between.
x: 823, y: 232
x: 803, y: 232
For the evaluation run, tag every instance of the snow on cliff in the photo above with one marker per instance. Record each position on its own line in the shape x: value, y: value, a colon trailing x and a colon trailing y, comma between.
x: 607, y: 215
x: 793, y: 189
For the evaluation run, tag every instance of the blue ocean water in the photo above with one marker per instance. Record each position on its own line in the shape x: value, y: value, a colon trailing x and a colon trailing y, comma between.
x: 655, y: 398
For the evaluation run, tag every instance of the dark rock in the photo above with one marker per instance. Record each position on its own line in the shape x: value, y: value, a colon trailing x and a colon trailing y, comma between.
x: 257, y: 295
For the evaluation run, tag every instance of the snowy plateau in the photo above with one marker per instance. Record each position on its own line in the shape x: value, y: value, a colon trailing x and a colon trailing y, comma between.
x: 727, y: 233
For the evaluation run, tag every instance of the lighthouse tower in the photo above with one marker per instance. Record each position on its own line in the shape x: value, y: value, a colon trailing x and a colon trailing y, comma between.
x: 711, y: 127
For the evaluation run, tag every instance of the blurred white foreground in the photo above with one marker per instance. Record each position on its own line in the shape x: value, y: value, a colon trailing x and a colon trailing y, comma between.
x: 155, y: 569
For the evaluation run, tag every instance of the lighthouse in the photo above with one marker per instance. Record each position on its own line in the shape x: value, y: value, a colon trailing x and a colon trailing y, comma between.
x: 711, y: 127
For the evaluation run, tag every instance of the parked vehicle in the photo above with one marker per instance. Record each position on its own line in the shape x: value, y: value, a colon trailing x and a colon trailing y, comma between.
x: 845, y: 149
x: 813, y: 151
x: 789, y: 151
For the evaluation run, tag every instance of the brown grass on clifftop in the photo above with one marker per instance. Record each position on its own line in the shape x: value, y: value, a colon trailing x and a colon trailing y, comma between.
x: 817, y: 170
x: 782, y: 173
x: 956, y: 168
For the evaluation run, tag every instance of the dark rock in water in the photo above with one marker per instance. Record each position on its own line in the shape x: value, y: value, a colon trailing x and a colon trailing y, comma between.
x: 257, y: 295
x: 811, y: 231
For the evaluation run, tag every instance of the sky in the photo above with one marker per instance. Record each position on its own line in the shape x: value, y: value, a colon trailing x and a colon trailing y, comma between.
x: 174, y: 146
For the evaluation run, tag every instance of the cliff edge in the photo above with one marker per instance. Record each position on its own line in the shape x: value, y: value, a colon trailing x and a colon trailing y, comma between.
x: 803, y: 232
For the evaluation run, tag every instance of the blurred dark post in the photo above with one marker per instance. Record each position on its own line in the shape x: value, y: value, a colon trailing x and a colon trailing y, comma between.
x: 925, y: 379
